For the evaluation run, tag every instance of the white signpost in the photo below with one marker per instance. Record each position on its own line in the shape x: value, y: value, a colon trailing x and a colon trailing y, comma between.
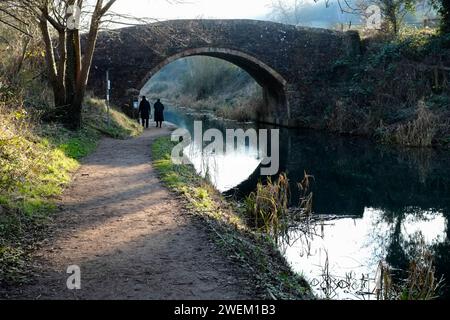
x: 108, y: 91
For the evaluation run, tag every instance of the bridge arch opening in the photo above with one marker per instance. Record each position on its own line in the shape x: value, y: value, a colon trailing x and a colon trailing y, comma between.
x: 275, y: 106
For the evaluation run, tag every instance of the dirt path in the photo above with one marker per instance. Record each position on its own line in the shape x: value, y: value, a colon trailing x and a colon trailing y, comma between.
x: 130, y: 236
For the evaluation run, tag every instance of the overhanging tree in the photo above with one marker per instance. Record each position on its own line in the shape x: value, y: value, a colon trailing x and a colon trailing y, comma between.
x: 67, y: 68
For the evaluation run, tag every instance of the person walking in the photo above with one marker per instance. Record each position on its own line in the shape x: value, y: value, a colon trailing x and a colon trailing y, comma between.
x: 159, y: 113
x: 144, y: 111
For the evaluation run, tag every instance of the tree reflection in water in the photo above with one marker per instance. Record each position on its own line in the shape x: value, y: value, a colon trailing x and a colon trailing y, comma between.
x: 343, y: 262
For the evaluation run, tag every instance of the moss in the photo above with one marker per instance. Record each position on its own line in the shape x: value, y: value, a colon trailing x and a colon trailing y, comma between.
x: 254, y: 250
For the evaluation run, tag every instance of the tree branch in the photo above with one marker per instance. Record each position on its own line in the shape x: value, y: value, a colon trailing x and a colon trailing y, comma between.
x: 107, y: 7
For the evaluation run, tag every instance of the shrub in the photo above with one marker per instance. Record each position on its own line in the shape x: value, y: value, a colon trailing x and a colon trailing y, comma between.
x: 419, y: 132
x: 244, y: 111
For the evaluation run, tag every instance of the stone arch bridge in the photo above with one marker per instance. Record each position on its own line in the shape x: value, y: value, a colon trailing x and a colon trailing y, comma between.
x: 289, y: 62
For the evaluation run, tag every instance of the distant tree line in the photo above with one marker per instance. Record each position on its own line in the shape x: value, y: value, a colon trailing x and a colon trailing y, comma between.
x: 393, y: 12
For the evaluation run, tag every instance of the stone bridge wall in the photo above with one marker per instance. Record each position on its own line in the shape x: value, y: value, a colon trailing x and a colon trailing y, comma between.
x: 289, y: 62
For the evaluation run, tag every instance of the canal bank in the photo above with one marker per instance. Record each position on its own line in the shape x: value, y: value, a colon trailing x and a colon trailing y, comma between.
x: 256, y: 252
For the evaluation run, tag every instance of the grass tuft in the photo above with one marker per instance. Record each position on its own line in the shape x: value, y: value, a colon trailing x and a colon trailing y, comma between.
x: 119, y: 126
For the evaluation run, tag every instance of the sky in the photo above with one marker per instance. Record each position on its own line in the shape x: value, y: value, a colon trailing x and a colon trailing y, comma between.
x: 313, y: 13
x: 190, y: 9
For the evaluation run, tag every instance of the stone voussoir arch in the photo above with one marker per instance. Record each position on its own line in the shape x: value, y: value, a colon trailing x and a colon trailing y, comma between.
x: 273, y: 84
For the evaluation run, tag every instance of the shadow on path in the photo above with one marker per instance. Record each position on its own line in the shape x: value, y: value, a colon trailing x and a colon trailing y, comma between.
x: 131, y: 237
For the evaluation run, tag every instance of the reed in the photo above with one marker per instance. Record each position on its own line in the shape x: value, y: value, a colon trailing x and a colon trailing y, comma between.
x: 306, y: 198
x: 422, y: 282
x: 268, y: 206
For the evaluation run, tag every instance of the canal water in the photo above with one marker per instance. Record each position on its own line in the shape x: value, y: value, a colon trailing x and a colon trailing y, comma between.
x: 385, y: 203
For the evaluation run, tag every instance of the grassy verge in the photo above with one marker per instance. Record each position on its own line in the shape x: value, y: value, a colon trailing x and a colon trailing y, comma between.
x: 120, y: 126
x: 36, y: 164
x: 258, y: 254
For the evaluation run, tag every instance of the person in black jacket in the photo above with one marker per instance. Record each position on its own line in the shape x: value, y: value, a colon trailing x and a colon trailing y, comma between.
x: 159, y: 113
x: 144, y: 111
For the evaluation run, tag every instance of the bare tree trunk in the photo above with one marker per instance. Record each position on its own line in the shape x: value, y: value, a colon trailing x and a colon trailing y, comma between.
x: 83, y: 75
x: 71, y: 119
x: 58, y: 87
x: 22, y: 56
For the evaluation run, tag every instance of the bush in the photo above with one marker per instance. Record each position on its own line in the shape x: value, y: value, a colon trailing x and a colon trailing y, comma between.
x: 418, y: 132
x: 243, y: 111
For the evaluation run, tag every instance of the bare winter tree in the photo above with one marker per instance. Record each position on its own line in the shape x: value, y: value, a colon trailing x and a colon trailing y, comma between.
x: 58, y: 21
x: 287, y: 11
x: 392, y: 11
x: 67, y: 69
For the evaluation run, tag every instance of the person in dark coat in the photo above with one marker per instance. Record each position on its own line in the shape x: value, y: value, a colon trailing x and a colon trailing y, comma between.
x: 159, y: 113
x: 144, y: 111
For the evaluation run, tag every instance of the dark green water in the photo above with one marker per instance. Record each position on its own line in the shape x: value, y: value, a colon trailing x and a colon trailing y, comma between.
x: 386, y: 201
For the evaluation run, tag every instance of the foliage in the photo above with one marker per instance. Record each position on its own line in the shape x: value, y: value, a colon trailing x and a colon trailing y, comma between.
x: 419, y: 132
x: 208, y: 76
x: 67, y: 69
x: 210, y: 85
x: 32, y: 172
x: 394, y: 12
x: 443, y: 7
x: 379, y: 93
x: 21, y: 72
x: 244, y: 110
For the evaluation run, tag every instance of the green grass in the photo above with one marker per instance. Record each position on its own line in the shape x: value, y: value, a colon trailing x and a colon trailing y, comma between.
x: 254, y: 250
x: 114, y: 124
x: 27, y: 197
x: 36, y: 165
x: 175, y: 177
